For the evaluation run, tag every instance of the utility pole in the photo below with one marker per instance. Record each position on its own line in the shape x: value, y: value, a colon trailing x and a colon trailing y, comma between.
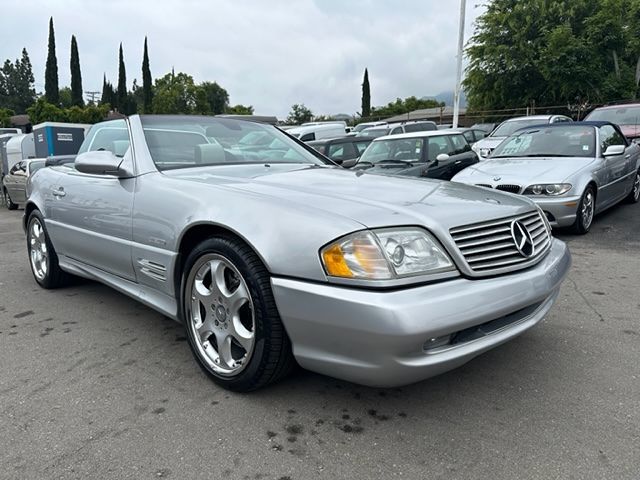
x: 91, y: 95
x: 456, y: 94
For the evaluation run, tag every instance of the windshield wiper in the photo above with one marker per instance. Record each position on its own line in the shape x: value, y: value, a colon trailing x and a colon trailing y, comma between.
x: 392, y: 162
x: 363, y: 162
x: 531, y: 155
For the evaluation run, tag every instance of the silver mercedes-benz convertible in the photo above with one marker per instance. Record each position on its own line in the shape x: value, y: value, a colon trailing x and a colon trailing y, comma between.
x: 268, y: 253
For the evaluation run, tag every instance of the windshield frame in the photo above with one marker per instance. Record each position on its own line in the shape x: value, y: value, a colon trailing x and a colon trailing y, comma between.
x: 394, y: 140
x: 304, y: 154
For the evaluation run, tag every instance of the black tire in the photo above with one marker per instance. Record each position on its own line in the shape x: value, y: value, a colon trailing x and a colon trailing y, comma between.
x: 584, y: 220
x: 54, y: 277
x: 634, y: 194
x: 271, y: 358
x: 7, y: 200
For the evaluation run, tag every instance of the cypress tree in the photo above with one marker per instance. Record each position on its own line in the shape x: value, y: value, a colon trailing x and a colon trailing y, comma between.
x: 51, y: 70
x: 121, y: 100
x: 76, y: 76
x: 366, y: 96
x: 105, y: 90
x: 147, y: 93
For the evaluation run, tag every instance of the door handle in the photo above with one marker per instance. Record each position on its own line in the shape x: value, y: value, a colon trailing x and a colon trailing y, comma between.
x: 627, y: 156
x: 458, y: 162
x: 59, y: 192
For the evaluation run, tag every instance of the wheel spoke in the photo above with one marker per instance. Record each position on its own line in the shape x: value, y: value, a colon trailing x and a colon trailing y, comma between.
x: 218, y: 283
x: 205, y: 330
x: 238, y: 331
x: 238, y: 298
x: 224, y: 351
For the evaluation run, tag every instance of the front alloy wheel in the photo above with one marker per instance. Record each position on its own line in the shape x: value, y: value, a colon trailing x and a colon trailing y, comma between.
x: 586, y: 211
x: 230, y: 315
x: 634, y: 195
x: 7, y: 200
x: 43, y: 259
x: 221, y: 315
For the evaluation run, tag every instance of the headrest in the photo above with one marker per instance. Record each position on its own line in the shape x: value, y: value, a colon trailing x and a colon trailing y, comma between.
x: 209, y: 154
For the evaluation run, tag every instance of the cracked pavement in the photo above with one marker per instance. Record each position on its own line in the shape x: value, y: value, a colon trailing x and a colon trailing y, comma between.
x: 95, y: 385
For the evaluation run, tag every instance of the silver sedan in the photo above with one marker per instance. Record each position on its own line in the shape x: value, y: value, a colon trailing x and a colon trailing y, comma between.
x: 573, y: 171
x: 267, y: 254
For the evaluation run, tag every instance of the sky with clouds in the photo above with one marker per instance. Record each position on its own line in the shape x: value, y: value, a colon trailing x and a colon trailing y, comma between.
x: 266, y: 53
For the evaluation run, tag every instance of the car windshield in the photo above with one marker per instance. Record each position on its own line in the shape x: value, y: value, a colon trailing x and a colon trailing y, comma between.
x: 510, y: 126
x: 552, y: 141
x: 193, y: 141
x: 373, y: 132
x: 619, y: 116
x: 393, y: 150
x: 35, y: 166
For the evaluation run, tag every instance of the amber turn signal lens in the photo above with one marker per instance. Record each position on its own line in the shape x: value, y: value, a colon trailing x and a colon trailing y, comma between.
x: 335, y: 263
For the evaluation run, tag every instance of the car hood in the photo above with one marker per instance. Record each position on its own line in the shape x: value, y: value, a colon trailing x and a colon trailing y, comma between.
x: 369, y: 199
x: 521, y: 171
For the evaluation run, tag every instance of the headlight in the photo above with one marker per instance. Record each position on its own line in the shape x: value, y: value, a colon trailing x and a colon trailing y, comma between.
x: 548, y: 189
x: 385, y: 254
x: 485, y: 152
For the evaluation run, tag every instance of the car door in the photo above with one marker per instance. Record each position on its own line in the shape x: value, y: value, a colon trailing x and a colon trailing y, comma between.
x: 15, y: 182
x: 461, y: 153
x: 91, y: 215
x: 616, y: 167
x: 442, y: 169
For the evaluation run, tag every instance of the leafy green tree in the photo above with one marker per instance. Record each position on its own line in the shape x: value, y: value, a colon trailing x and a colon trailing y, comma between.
x: 299, y: 114
x: 43, y: 111
x: 240, y: 110
x: 65, y: 97
x: 16, y: 84
x: 5, y: 117
x: 366, y: 96
x: 147, y: 87
x: 174, y: 93
x: 215, y: 96
x: 76, y: 76
x: 121, y: 98
x: 51, y: 69
x: 407, y: 105
x: 550, y: 52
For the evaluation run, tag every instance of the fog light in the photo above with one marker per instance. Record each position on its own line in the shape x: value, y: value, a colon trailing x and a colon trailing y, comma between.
x: 436, y: 342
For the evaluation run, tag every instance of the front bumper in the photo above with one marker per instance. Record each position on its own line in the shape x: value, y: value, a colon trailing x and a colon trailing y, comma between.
x: 377, y: 338
x: 561, y: 211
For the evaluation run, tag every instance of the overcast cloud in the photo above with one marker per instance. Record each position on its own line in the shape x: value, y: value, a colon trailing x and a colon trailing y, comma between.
x: 266, y: 53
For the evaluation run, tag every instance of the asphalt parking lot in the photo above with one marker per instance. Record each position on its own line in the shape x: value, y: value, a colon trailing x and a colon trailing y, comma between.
x: 95, y: 385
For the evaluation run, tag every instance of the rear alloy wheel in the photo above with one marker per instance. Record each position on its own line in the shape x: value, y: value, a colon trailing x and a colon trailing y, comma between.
x: 7, y: 200
x: 586, y: 211
x: 42, y: 257
x: 634, y: 195
x: 232, y: 323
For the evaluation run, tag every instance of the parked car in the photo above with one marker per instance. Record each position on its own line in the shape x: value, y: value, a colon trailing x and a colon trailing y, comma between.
x: 15, y: 182
x: 270, y: 257
x: 363, y: 125
x: 317, y: 132
x: 573, y: 171
x: 627, y: 117
x: 472, y: 135
x: 398, y: 128
x: 485, y: 146
x: 343, y: 151
x: 438, y: 154
x: 485, y: 127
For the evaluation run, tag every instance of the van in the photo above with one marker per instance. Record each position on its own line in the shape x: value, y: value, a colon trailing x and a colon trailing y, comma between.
x: 317, y: 132
x: 19, y: 147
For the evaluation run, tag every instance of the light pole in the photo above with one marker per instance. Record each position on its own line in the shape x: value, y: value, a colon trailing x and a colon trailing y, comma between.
x: 456, y: 94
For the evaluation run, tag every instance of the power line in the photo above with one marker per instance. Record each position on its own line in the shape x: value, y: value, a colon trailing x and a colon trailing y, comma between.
x: 91, y: 95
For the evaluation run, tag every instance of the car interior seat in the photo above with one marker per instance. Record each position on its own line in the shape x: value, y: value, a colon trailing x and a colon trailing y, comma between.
x: 209, y: 154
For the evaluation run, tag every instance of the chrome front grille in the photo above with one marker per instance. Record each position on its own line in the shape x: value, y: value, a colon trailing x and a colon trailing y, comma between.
x: 490, y: 247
